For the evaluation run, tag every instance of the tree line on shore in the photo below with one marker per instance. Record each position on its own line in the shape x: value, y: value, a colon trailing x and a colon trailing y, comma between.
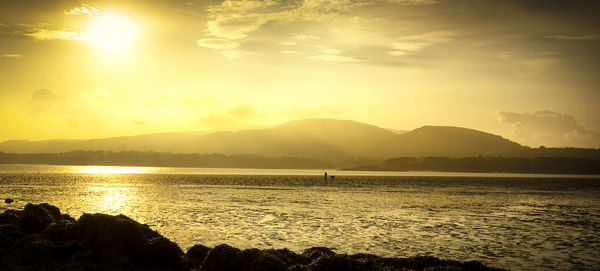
x: 564, y: 165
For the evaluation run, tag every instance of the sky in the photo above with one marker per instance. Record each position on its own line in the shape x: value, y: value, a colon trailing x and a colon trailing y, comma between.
x: 525, y: 70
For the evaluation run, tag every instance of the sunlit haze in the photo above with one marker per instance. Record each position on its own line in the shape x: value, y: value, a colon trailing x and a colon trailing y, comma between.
x: 525, y: 70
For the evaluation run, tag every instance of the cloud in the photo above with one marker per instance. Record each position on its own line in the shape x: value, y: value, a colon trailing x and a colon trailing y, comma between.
x: 528, y: 64
x: 218, y: 43
x: 415, y: 43
x: 549, y: 128
x: 11, y: 55
x: 84, y: 10
x: 47, y: 34
x: 47, y: 96
x: 335, y: 58
x: 45, y: 102
x: 574, y: 37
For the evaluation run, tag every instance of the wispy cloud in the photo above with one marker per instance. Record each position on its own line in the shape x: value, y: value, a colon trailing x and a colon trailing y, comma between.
x: 335, y: 58
x: 47, y: 34
x: 574, y: 37
x: 528, y: 64
x: 11, y: 55
x: 218, y: 43
x: 414, y: 43
x: 84, y: 10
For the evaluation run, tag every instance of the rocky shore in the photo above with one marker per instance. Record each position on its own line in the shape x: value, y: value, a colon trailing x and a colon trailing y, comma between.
x: 39, y: 237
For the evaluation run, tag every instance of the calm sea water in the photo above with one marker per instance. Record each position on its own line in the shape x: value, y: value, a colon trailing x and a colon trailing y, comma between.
x: 514, y: 221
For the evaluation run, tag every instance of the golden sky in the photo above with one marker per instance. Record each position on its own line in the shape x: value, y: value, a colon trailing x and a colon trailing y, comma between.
x: 527, y: 70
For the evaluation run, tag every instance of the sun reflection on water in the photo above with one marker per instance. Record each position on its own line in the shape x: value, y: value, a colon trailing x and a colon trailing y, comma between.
x: 113, y: 198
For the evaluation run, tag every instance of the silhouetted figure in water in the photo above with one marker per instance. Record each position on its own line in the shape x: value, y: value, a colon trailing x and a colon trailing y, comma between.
x: 8, y: 200
x: 332, y: 177
x: 325, y: 176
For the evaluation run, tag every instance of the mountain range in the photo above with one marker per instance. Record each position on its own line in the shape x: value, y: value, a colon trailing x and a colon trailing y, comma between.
x: 325, y: 139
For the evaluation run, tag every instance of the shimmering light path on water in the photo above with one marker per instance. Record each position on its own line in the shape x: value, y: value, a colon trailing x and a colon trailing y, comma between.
x: 518, y: 223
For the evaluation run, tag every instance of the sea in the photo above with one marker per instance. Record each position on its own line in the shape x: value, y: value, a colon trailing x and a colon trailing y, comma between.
x: 511, y: 221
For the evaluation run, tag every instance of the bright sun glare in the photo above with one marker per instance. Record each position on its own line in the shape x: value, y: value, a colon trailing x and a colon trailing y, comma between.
x: 111, y: 32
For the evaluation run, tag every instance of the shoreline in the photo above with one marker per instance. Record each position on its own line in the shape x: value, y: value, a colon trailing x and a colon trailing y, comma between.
x: 41, y: 237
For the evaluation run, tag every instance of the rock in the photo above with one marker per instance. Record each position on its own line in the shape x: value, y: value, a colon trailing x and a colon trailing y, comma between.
x: 297, y: 268
x: 317, y: 252
x: 195, y: 255
x: 248, y: 256
x: 36, y: 217
x: 288, y: 257
x: 444, y: 268
x: 61, y: 231
x: 120, y: 233
x: 222, y: 258
x: 333, y: 263
x: 8, y: 200
x: 163, y: 252
x: 267, y: 262
x: 10, y: 217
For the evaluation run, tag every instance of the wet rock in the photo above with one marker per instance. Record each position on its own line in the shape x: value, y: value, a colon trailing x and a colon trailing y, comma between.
x: 118, y: 233
x: 333, y: 263
x: 267, y: 262
x: 317, y: 252
x: 61, y: 231
x: 8, y: 200
x: 163, y: 252
x: 248, y: 256
x: 475, y: 265
x: 288, y: 257
x: 36, y: 217
x: 222, y: 258
x: 195, y: 255
x: 444, y: 268
x: 10, y: 217
x: 297, y: 267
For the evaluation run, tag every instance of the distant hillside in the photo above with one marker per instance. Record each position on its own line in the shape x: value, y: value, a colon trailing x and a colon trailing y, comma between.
x: 344, y: 142
x: 149, y: 142
x: 448, y: 141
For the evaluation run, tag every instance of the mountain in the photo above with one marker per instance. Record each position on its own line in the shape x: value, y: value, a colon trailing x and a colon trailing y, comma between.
x: 448, y: 141
x: 323, y: 139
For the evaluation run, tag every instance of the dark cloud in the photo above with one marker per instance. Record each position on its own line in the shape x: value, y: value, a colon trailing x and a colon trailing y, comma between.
x: 550, y: 129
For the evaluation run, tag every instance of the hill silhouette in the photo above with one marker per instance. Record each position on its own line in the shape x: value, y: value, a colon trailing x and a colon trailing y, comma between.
x: 323, y: 139
x: 449, y: 141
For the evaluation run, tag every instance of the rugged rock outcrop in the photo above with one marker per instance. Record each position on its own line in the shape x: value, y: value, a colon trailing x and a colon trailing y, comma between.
x: 39, y: 237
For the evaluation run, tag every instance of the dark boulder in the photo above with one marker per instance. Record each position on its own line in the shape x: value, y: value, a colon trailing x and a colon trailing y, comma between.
x: 106, y: 232
x: 10, y: 217
x: 267, y: 262
x: 36, y: 217
x: 317, y: 252
x: 195, y: 255
x: 121, y: 235
x: 222, y: 258
x: 444, y: 268
x: 162, y: 252
x: 333, y: 263
x: 288, y: 257
x: 248, y: 256
x: 61, y: 231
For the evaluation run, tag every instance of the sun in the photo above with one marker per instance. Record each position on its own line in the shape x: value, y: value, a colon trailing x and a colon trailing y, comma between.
x: 111, y: 32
